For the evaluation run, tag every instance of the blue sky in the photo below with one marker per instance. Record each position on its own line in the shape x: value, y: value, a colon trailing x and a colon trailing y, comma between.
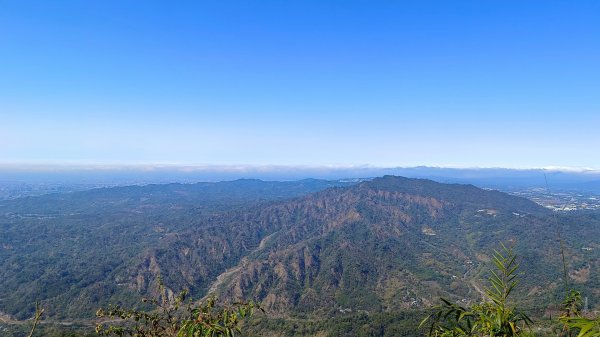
x: 380, y: 83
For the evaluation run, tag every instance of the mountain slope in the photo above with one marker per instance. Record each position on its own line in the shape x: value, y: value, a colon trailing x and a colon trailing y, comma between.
x: 73, y: 251
x: 392, y: 244
x: 371, y: 252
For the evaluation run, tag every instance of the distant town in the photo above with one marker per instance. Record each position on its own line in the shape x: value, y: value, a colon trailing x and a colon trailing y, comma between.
x: 561, y: 201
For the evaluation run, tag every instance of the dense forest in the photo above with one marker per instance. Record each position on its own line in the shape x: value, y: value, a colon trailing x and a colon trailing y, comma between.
x: 322, y: 258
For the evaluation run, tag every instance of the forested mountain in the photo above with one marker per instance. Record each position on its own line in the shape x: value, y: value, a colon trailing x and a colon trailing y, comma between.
x: 72, y: 251
x: 394, y: 245
x: 322, y: 257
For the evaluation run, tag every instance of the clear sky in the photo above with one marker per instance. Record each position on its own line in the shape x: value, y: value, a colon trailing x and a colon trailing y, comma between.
x: 381, y: 83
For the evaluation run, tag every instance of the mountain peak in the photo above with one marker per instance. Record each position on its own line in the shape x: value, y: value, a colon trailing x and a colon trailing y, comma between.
x: 462, y: 195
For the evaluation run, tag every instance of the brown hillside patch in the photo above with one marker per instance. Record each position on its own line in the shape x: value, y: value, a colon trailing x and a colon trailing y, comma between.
x: 581, y: 275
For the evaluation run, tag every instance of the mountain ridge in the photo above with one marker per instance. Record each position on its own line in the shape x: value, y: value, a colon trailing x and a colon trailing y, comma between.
x: 307, y: 250
x: 402, y: 207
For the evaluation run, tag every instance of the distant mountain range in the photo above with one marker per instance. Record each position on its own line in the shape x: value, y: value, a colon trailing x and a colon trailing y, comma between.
x: 23, y: 180
x: 319, y: 255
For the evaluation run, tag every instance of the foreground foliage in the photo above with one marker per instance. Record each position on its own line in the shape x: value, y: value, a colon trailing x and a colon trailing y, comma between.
x: 39, y: 312
x: 575, y: 324
x: 583, y: 327
x: 495, y: 316
x: 175, y: 318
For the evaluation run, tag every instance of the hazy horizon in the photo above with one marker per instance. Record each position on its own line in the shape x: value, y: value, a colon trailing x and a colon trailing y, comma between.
x: 71, y: 166
x: 112, y: 175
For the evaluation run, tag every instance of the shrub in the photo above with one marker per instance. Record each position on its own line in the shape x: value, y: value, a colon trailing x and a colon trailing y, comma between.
x: 175, y: 318
x: 493, y: 317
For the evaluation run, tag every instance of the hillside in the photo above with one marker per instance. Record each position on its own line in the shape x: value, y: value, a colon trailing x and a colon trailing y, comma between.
x: 71, y: 250
x: 322, y: 257
x: 393, y: 245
